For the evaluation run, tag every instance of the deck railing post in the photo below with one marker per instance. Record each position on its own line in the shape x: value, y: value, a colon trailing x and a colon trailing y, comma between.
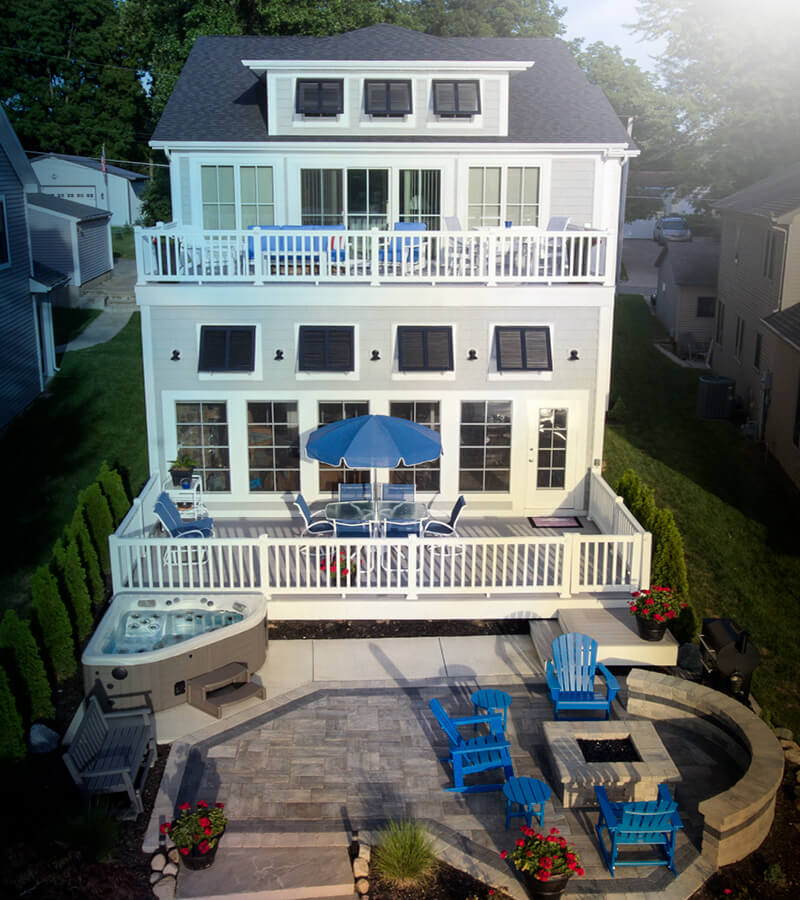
x: 569, y: 570
x: 413, y: 546
x: 263, y: 566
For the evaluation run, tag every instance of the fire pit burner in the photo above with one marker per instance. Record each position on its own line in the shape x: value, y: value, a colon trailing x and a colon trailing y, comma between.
x: 621, y: 750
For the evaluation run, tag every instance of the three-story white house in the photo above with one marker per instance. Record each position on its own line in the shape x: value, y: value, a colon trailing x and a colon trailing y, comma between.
x: 390, y: 222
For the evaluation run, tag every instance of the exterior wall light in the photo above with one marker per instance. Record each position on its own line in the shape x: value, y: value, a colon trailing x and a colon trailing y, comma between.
x: 278, y: 355
x: 176, y: 355
x: 573, y: 356
x: 472, y: 355
x: 375, y: 356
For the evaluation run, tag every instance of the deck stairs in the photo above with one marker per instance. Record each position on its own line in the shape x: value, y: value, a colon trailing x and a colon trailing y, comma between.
x: 615, y: 632
x: 222, y: 687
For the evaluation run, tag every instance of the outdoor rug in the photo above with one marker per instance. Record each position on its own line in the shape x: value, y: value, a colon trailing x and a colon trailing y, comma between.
x: 554, y: 522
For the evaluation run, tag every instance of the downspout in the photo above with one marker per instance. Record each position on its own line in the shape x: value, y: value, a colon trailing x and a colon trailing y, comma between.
x: 623, y: 195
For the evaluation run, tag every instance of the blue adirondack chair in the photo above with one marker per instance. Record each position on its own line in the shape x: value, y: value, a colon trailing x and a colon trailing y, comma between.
x: 571, y: 674
x: 475, y: 754
x: 651, y: 822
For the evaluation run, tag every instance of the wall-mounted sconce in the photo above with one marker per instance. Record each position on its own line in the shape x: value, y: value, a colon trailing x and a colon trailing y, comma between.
x: 573, y: 356
x: 375, y: 356
x: 278, y: 355
x: 176, y: 355
x: 472, y: 355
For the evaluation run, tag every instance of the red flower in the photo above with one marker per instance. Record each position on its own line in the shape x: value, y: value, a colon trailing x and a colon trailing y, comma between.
x: 185, y: 806
x: 546, y: 862
x: 580, y: 872
x: 164, y: 829
x: 554, y: 831
x: 184, y: 851
x: 543, y: 875
x: 204, y: 847
x: 220, y: 806
x: 201, y: 804
x: 649, y: 601
x: 520, y: 842
x: 205, y: 821
x: 491, y: 892
x: 529, y: 853
x: 503, y: 854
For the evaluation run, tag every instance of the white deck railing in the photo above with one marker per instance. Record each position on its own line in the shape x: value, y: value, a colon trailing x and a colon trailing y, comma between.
x: 491, y: 256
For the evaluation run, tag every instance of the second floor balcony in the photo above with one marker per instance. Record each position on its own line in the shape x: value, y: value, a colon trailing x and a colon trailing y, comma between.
x: 330, y: 254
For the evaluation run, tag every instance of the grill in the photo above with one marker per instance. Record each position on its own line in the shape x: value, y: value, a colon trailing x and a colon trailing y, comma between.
x: 729, y: 659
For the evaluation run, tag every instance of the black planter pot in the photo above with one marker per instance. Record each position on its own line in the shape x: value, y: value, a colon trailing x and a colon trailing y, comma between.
x: 650, y: 630
x: 551, y: 889
x: 179, y: 475
x: 194, y: 859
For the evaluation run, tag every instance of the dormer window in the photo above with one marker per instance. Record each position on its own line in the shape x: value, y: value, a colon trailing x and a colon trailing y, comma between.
x: 387, y: 98
x: 319, y: 98
x: 456, y: 99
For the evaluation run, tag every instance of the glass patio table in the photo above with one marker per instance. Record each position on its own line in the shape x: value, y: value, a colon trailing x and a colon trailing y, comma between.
x: 376, y: 511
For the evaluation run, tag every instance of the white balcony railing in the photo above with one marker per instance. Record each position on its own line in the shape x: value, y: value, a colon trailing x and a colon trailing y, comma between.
x: 256, y: 256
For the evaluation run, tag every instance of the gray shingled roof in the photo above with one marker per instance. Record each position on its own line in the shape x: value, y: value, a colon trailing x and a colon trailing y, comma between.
x: 786, y: 324
x: 217, y: 99
x: 692, y: 263
x: 80, y: 211
x: 91, y: 164
x: 46, y: 276
x: 774, y: 196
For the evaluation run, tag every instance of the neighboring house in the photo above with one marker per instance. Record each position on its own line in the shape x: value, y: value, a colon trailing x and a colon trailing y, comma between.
x: 26, y: 337
x: 649, y: 198
x: 782, y: 430
x: 759, y: 274
x: 71, y: 237
x: 82, y: 180
x: 285, y: 296
x: 685, y: 297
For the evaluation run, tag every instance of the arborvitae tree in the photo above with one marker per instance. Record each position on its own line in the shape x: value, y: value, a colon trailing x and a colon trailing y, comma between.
x: 669, y: 570
x: 629, y: 487
x: 12, y: 734
x: 17, y: 638
x: 54, y: 624
x: 101, y: 525
x: 111, y: 483
x: 74, y: 577
x: 78, y: 532
x: 644, y: 507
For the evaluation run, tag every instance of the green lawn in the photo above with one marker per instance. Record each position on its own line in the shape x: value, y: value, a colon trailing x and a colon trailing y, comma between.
x: 736, y: 510
x: 122, y: 241
x: 93, y: 410
x: 69, y: 322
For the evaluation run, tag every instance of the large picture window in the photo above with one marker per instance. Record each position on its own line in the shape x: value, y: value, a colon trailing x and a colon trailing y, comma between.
x: 223, y: 210
x: 551, y: 469
x: 485, y: 446
x: 367, y: 198
x: 330, y: 477
x: 219, y: 200
x: 420, y: 191
x: 257, y: 195
x: 273, y: 446
x: 498, y: 195
x: 202, y: 433
x: 425, y: 476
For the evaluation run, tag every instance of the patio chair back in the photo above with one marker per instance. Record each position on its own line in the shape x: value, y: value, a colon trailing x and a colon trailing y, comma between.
x: 402, y: 528
x: 320, y: 527
x: 575, y: 658
x: 355, y: 491
x: 167, y: 513
x: 397, y: 492
x: 448, y: 528
x: 446, y: 723
x: 400, y: 249
x: 352, y: 529
x: 558, y: 223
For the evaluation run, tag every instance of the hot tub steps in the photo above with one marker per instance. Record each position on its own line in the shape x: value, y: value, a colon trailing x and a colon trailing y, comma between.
x: 215, y: 690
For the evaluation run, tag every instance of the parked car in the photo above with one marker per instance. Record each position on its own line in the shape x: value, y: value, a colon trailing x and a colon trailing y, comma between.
x: 671, y: 228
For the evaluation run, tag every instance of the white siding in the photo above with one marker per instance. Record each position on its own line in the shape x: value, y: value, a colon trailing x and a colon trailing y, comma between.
x: 93, y: 249
x: 572, y: 190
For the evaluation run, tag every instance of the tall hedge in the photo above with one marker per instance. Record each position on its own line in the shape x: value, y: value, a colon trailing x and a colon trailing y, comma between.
x: 101, y: 525
x: 54, y: 624
x: 16, y: 637
x: 629, y: 487
x: 74, y: 577
x: 78, y: 532
x: 114, y: 490
x: 12, y: 734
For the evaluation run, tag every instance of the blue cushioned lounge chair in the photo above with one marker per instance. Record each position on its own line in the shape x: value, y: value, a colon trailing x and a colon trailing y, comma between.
x: 319, y: 528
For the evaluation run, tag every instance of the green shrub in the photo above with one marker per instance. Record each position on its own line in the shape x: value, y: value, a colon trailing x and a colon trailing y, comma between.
x: 95, y: 831
x: 669, y: 570
x: 12, y: 734
x: 629, y: 487
x: 111, y: 482
x: 404, y: 855
x: 78, y: 532
x: 16, y: 637
x: 101, y: 525
x: 54, y: 624
x: 74, y: 578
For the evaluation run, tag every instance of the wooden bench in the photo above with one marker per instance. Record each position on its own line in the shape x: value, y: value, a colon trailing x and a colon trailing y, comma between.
x: 221, y: 687
x: 110, y: 752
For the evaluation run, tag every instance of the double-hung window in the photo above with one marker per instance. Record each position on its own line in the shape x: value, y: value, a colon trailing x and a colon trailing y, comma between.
x: 497, y: 195
x: 387, y: 98
x: 485, y: 446
x: 227, y: 348
x: 456, y: 99
x: 424, y: 476
x: 523, y: 348
x: 425, y: 348
x: 223, y: 209
x: 325, y: 348
x: 319, y: 98
x: 330, y: 477
x: 273, y: 446
x: 202, y: 433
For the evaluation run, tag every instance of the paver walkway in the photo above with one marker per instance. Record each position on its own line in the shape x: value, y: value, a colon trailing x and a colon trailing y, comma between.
x: 329, y: 758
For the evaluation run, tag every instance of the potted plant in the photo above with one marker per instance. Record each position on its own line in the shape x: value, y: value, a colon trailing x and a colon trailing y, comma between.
x: 654, y: 610
x: 197, y: 832
x: 545, y: 864
x: 181, y: 469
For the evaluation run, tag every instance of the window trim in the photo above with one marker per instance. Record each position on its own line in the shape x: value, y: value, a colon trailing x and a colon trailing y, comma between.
x: 524, y: 362
x: 274, y: 469
x: 387, y: 112
x: 5, y: 237
x: 406, y: 331
x: 327, y: 330
x: 456, y: 113
x: 208, y: 330
x: 318, y: 112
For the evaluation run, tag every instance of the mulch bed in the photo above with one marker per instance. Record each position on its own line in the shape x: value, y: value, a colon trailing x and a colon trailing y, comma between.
x: 447, y: 883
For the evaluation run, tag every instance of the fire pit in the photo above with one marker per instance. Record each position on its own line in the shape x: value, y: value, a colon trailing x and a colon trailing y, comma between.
x: 636, y: 776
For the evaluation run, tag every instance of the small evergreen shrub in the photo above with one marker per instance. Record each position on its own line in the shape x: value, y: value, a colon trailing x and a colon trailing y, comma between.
x: 54, y: 624
x: 404, y: 855
x: 669, y: 570
x: 629, y: 487
x: 78, y: 532
x: 12, y: 734
x: 114, y: 490
x: 74, y: 577
x: 644, y: 507
x: 16, y: 637
x: 101, y: 525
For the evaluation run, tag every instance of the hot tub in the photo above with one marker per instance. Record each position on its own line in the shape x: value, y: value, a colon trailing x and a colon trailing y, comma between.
x: 154, y: 643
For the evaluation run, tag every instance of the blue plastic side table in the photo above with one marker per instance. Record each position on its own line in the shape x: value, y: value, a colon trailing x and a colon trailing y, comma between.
x: 528, y: 793
x: 491, y: 700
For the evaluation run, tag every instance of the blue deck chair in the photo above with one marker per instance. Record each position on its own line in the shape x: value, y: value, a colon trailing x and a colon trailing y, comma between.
x: 403, y: 249
x: 167, y: 513
x: 435, y: 528
x: 571, y: 673
x: 348, y: 529
x: 397, y: 492
x: 320, y: 528
x: 475, y: 754
x: 355, y: 491
x: 651, y: 822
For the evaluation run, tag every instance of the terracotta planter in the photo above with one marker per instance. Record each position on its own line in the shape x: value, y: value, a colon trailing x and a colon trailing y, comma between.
x: 649, y: 629
x: 551, y: 889
x: 197, y: 860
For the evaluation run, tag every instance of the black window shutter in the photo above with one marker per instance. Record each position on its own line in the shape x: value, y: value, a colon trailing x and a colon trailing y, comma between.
x: 242, y: 349
x: 326, y: 349
x: 226, y: 349
x: 520, y: 348
x: 537, y: 348
x: 424, y: 349
x: 212, y: 349
x: 340, y: 349
x: 440, y: 348
x: 411, y: 348
x: 509, y: 348
x: 312, y: 349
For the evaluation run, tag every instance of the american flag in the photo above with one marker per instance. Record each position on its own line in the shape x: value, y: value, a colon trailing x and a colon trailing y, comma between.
x: 103, y: 160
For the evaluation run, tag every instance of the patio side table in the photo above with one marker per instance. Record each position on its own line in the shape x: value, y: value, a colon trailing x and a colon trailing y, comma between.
x: 530, y: 795
x: 492, y: 700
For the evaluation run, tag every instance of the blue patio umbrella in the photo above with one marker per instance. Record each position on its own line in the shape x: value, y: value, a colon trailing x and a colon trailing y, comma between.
x: 366, y: 442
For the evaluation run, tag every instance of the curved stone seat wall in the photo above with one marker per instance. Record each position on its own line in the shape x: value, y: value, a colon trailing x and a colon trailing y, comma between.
x: 736, y: 821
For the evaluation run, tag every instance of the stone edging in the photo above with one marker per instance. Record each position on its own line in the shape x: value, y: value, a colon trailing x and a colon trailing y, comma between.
x: 736, y: 821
